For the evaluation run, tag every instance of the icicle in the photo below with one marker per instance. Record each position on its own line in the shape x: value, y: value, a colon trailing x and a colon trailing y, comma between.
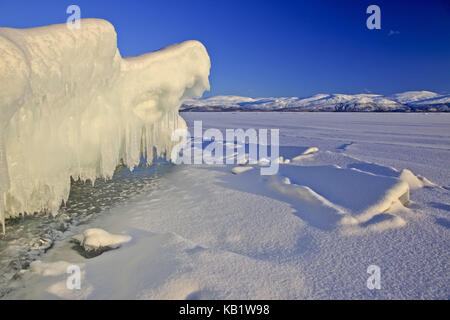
x: 70, y: 105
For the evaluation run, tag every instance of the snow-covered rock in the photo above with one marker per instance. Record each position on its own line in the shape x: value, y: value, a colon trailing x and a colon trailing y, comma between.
x: 95, y: 238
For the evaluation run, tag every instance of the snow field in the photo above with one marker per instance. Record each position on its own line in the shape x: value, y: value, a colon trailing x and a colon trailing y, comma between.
x: 309, y: 232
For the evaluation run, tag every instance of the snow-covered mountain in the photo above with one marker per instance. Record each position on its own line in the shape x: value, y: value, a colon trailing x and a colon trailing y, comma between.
x: 411, y: 101
x: 413, y: 96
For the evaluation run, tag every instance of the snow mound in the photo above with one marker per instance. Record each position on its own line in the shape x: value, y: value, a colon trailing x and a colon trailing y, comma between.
x: 306, y: 153
x: 311, y: 150
x: 414, y: 181
x: 70, y: 105
x: 240, y: 169
x: 328, y: 196
x: 315, y: 209
x: 94, y: 239
x: 356, y: 193
x: 409, y: 177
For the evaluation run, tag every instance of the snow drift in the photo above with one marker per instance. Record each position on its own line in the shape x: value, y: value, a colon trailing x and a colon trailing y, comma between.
x: 70, y: 105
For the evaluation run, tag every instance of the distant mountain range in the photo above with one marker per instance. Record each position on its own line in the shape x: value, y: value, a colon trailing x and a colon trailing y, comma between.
x: 411, y: 101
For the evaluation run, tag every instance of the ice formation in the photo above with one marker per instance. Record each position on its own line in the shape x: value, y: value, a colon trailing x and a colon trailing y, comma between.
x: 70, y: 105
x: 96, y: 238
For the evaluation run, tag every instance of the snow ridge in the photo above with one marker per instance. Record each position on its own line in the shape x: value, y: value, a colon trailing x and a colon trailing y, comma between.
x: 405, y: 102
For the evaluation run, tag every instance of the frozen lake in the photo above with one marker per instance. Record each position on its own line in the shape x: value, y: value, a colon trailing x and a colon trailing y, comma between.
x: 309, y: 232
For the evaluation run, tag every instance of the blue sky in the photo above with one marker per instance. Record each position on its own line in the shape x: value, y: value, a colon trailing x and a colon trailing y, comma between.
x: 279, y: 48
